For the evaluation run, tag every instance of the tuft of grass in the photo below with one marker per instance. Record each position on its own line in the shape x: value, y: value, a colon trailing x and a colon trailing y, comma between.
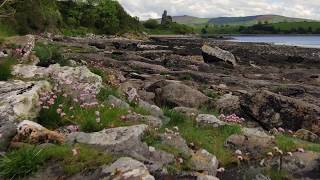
x: 288, y: 143
x: 107, y: 91
x: 49, y: 54
x: 211, y: 139
x: 27, y: 160
x: 20, y: 163
x: 276, y: 174
x: 6, y: 68
x: 85, y: 117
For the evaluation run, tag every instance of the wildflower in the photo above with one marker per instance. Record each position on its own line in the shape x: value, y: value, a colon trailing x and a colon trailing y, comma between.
x: 71, y: 108
x: 64, y: 95
x: 63, y: 114
x: 123, y: 117
x: 238, y: 152
x: 75, y: 100
x: 59, y: 111
x: 176, y: 128
x: 221, y: 170
x: 75, y: 151
x: 55, y: 96
x: 301, y: 150
x: 270, y: 154
x: 240, y: 158
x: 290, y: 131
x: 60, y: 105
x: 97, y: 113
x: 72, y: 116
x: 290, y: 153
x: 276, y: 149
x: 180, y: 160
x: 280, y: 129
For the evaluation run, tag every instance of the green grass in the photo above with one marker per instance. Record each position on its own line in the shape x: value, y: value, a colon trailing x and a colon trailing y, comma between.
x: 289, y: 25
x: 50, y: 54
x: 107, y: 91
x: 211, y: 139
x: 85, y: 117
x: 28, y: 160
x: 6, y: 68
x: 288, y: 143
x: 6, y: 30
x: 275, y: 174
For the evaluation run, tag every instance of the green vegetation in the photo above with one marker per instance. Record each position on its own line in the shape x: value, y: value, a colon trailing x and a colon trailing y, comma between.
x: 211, y: 139
x: 288, y: 143
x: 27, y: 160
x: 85, y: 117
x: 153, y: 27
x: 6, y: 67
x: 107, y: 91
x: 275, y: 174
x: 49, y: 54
x: 69, y: 17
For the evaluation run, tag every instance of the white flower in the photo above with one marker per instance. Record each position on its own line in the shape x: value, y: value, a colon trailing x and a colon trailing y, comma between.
x: 301, y: 150
x: 238, y: 152
x: 220, y: 170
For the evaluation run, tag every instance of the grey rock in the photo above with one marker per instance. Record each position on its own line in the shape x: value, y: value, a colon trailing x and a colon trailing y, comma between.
x: 206, y: 177
x: 208, y: 119
x: 202, y: 160
x: 214, y: 54
x: 228, y: 104
x: 126, y: 168
x: 149, y: 120
x: 117, y: 102
x: 175, y: 141
x: 307, y: 135
x: 152, y: 109
x: 177, y: 94
x: 274, y: 110
x: 7, y: 132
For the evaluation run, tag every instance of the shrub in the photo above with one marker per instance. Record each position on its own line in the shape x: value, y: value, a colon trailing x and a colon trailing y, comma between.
x: 151, y: 24
x: 5, y: 68
x: 20, y: 163
x: 49, y: 54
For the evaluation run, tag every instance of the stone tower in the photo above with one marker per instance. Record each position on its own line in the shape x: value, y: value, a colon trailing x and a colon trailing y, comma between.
x: 165, y: 18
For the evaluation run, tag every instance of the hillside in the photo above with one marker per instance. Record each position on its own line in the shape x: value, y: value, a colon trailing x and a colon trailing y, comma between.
x: 246, y: 20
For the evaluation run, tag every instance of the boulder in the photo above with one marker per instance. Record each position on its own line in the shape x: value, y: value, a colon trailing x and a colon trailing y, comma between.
x: 203, y: 161
x: 177, y: 94
x: 228, y: 104
x: 206, y: 177
x: 176, y: 141
x: 34, y: 133
x: 152, y: 109
x: 215, y: 54
x: 75, y: 81
x: 307, y: 135
x: 124, y: 141
x: 274, y: 110
x: 211, y: 120
x: 126, y: 168
x: 7, y: 132
x: 112, y: 100
x: 146, y: 67
x: 252, y: 140
x: 19, y: 100
x: 152, y: 121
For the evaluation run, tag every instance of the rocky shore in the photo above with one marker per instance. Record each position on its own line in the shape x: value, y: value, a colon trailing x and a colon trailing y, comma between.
x: 161, y: 108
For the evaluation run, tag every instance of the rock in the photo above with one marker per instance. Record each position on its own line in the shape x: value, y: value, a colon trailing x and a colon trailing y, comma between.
x: 146, y: 67
x: 253, y: 140
x: 152, y: 109
x: 274, y: 110
x: 98, y: 45
x: 19, y: 100
x: 228, y: 104
x: 7, y: 132
x: 203, y: 161
x: 112, y: 100
x: 208, y: 119
x: 206, y: 177
x: 175, y: 141
x: 307, y: 135
x: 132, y: 95
x: 34, y: 133
x: 149, y: 120
x: 176, y: 94
x: 300, y: 165
x: 189, y: 112
x: 211, y: 55
x: 126, y: 168
x: 74, y: 81
x: 261, y: 177
x: 124, y: 141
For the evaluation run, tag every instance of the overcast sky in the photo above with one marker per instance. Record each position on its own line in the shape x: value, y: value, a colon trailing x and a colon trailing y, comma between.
x: 146, y: 9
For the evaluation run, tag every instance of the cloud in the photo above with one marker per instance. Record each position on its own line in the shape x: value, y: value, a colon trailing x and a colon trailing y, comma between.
x: 146, y: 9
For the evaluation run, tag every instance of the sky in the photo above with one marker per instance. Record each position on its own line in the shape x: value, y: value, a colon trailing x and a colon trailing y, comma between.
x: 146, y: 9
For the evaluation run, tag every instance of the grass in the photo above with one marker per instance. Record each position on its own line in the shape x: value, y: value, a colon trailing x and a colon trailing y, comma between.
x: 85, y: 117
x: 288, y: 143
x: 27, y: 160
x: 107, y: 91
x: 6, y: 68
x: 275, y: 174
x: 49, y: 54
x: 211, y: 139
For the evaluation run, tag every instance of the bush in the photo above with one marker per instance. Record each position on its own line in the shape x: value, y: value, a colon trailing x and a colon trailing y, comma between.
x: 151, y: 24
x: 49, y: 54
x: 5, y: 68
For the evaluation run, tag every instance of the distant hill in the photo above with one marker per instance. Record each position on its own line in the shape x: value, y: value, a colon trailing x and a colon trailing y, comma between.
x: 246, y: 20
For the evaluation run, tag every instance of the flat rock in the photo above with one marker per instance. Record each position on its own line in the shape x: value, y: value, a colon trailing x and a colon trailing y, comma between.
x: 203, y: 161
x: 208, y: 119
x: 7, y: 131
x: 189, y: 112
x: 112, y: 100
x: 228, y: 104
x: 215, y: 54
x: 126, y: 168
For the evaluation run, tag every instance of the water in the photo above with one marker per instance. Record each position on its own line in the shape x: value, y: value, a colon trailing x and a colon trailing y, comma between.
x: 312, y: 41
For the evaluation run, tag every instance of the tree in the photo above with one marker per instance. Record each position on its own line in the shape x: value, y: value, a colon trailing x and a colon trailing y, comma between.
x: 151, y: 24
x: 5, y: 10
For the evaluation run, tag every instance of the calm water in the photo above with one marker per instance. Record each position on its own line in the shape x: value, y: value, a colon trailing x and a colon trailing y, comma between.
x: 304, y: 41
